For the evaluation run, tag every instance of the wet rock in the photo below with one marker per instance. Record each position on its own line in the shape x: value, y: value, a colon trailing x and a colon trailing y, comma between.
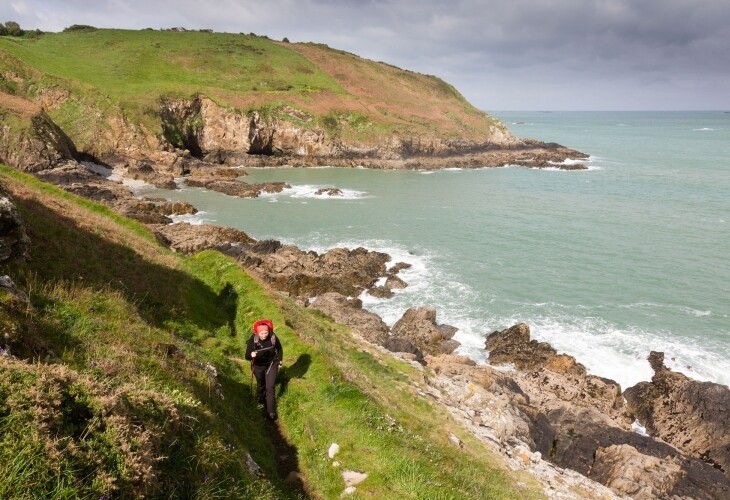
x: 398, y: 267
x: 381, y: 292
x: 418, y: 325
x: 349, y: 312
x: 395, y: 282
x: 693, y: 416
x: 237, y: 188
x: 140, y: 170
x: 332, y: 191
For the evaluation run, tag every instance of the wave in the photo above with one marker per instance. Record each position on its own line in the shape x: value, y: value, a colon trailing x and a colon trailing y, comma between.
x: 607, y: 350
x: 308, y: 191
x: 196, y: 219
x: 703, y: 129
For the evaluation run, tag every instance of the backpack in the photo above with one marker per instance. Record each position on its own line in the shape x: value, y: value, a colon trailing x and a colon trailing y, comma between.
x: 257, y: 340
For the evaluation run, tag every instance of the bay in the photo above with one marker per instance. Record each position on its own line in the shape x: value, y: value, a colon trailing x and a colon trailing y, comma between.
x: 605, y: 264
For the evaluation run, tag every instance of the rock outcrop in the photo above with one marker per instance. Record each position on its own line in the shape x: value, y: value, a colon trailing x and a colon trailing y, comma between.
x: 349, y: 312
x: 579, y: 421
x: 309, y: 274
x: 39, y: 146
x: 690, y: 415
x: 418, y: 328
x: 14, y: 241
x: 237, y: 188
x: 191, y: 238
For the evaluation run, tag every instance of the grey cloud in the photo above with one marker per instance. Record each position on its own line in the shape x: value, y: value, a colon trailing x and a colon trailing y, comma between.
x: 662, y: 46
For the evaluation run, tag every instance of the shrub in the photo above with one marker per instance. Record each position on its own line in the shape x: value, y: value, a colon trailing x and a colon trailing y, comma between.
x: 80, y: 27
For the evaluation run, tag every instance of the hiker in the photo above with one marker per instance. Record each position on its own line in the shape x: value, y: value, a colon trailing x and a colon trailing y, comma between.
x: 266, y: 355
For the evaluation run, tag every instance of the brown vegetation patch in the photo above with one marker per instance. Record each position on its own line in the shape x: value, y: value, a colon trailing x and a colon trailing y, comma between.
x: 19, y: 105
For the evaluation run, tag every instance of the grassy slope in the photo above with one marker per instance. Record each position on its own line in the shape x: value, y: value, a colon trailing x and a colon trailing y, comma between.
x: 107, y: 395
x: 130, y: 70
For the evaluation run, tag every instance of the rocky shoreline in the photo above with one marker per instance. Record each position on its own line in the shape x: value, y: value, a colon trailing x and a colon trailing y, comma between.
x: 574, y: 432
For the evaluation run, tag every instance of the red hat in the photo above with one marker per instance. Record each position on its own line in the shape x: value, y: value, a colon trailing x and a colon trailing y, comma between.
x: 266, y: 322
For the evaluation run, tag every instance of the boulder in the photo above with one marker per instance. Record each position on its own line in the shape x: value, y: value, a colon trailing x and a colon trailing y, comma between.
x: 349, y: 312
x: 693, y: 416
x: 418, y: 326
x: 14, y: 241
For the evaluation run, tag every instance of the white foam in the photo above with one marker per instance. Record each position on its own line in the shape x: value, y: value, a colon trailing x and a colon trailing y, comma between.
x: 101, y: 170
x: 638, y: 428
x: 308, y: 191
x: 703, y: 129
x: 195, y: 219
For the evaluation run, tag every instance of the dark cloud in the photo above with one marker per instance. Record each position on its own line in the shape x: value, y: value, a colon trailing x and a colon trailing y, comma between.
x: 562, y: 54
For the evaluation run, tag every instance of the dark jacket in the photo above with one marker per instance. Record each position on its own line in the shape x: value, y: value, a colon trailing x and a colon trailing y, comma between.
x: 266, y: 351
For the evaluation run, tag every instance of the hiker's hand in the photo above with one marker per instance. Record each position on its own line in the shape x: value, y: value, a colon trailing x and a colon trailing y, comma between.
x: 253, y: 354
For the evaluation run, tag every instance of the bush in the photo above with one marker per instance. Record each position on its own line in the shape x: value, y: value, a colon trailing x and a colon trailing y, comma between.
x: 80, y: 27
x: 285, y: 40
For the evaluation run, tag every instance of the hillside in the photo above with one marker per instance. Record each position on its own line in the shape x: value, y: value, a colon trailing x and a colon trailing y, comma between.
x: 144, y: 95
x: 123, y: 376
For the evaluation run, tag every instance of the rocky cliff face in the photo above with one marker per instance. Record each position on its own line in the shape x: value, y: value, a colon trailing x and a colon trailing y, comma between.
x: 41, y: 145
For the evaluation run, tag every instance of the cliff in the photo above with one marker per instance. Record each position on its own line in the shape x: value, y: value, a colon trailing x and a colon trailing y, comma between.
x: 162, y: 97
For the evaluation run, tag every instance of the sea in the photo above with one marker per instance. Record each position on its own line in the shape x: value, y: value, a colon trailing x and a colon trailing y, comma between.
x: 606, y: 264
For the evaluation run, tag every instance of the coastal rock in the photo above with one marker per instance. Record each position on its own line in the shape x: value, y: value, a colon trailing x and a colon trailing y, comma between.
x: 395, y: 282
x: 418, y: 326
x: 349, y: 312
x: 381, y: 292
x: 162, y: 206
x: 14, y: 241
x: 145, y: 172
x: 549, y: 377
x: 398, y: 267
x: 82, y: 181
x: 693, y: 416
x: 309, y: 274
x: 628, y: 472
x: 582, y: 431
x: 332, y: 191
x: 237, y: 188
x: 189, y: 238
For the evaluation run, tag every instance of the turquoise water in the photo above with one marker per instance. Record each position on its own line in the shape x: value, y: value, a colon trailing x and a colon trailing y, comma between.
x: 606, y: 264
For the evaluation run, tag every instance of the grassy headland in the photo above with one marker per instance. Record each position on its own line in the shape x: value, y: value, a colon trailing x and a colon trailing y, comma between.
x: 86, y: 78
x: 128, y: 379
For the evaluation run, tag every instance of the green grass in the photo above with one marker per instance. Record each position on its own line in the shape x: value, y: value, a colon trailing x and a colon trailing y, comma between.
x: 136, y: 67
x: 114, y: 396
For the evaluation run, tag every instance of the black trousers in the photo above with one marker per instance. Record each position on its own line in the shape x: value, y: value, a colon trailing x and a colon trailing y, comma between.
x: 265, y: 382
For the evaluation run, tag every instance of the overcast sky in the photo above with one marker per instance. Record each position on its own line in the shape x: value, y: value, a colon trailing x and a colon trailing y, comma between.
x: 502, y: 55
